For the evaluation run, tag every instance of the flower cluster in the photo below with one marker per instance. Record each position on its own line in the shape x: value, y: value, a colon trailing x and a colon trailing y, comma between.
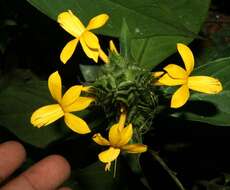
x: 122, y: 86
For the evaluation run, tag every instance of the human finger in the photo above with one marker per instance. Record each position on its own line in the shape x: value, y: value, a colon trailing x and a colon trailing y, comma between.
x: 47, y: 174
x: 12, y: 155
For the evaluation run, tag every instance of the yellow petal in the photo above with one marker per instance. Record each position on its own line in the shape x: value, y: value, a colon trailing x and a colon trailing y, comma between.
x: 91, y: 40
x: 157, y: 74
x: 175, y: 71
x: 68, y: 50
x: 103, y: 56
x: 114, y: 135
x: 91, y: 53
x: 79, y: 104
x: 112, y: 47
x: 55, y: 86
x: 122, y: 120
x: 87, y: 89
x: 126, y: 134
x: 187, y: 56
x: 71, y: 23
x: 157, y: 83
x: 76, y: 124
x: 169, y: 81
x: 135, y: 148
x: 100, y: 140
x: 205, y: 84
x: 97, y: 21
x: 46, y: 115
x: 71, y: 95
x: 109, y: 155
x: 180, y: 97
x: 107, y: 166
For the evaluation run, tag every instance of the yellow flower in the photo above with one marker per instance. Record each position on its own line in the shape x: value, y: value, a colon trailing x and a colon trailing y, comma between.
x: 70, y: 102
x: 88, y: 40
x: 176, y: 75
x: 119, y: 136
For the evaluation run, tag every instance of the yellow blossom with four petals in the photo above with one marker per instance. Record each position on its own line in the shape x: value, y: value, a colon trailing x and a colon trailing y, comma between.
x: 119, y: 137
x: 88, y: 40
x: 176, y: 75
x: 71, y: 101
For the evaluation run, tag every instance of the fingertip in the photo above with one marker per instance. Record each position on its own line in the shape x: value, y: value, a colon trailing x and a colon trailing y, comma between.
x: 60, y: 162
x: 49, y: 173
x: 13, y: 154
x: 15, y: 147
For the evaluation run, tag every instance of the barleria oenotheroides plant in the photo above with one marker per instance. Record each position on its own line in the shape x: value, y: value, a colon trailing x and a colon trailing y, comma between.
x: 122, y: 89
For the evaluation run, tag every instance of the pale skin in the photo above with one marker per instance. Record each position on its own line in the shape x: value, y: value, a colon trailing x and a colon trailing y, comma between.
x: 47, y: 174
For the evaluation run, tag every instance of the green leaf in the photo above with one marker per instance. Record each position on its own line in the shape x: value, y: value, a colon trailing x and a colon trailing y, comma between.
x: 18, y: 100
x: 158, y: 25
x: 125, y: 41
x: 212, y: 109
x: 144, y: 18
x: 149, y: 52
x: 90, y: 72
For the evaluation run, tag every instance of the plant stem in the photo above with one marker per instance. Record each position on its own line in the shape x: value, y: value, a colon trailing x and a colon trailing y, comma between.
x: 115, y: 169
x: 170, y: 172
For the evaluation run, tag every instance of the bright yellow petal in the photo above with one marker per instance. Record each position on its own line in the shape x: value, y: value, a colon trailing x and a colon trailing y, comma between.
x: 91, y: 53
x: 76, y: 124
x: 91, y: 40
x: 68, y: 50
x: 175, y: 71
x: 55, y: 86
x: 71, y: 23
x: 157, y: 74
x: 169, y: 81
x: 126, y: 135
x: 46, y: 115
x: 103, y: 56
x: 187, y: 56
x: 122, y: 120
x: 80, y: 103
x: 71, y: 95
x: 97, y: 21
x: 135, y: 148
x: 109, y: 155
x: 114, y: 135
x: 205, y: 84
x: 112, y: 47
x: 180, y: 97
x: 100, y: 140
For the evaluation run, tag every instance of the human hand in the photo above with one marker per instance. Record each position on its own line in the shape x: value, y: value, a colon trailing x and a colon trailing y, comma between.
x: 47, y: 174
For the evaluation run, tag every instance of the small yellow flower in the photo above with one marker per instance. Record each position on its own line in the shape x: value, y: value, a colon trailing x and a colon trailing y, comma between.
x: 176, y: 75
x: 88, y: 40
x: 70, y: 102
x: 119, y: 136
